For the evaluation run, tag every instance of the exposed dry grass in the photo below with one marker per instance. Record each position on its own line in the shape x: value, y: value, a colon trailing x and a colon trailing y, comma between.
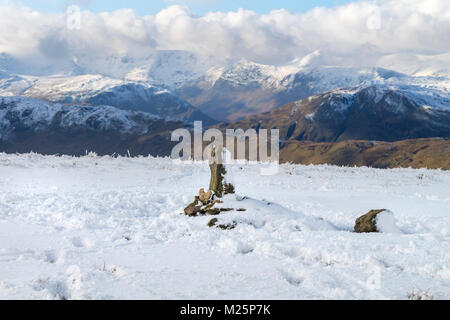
x: 433, y: 153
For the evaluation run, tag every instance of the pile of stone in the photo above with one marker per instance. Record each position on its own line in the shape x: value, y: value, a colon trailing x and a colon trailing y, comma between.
x: 204, y: 205
x: 205, y: 202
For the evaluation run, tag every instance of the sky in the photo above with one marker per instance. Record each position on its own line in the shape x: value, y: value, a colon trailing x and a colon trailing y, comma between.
x: 363, y: 33
x: 199, y: 7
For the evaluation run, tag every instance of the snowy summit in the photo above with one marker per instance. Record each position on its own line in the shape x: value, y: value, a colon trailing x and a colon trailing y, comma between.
x: 112, y: 228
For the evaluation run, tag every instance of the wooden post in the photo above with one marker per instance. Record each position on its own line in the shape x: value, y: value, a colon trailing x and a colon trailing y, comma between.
x: 218, y: 183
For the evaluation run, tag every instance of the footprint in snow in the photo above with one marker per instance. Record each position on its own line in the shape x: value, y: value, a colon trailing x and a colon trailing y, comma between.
x: 80, y: 243
x: 291, y: 278
x: 77, y: 242
x: 55, y: 289
x: 50, y: 256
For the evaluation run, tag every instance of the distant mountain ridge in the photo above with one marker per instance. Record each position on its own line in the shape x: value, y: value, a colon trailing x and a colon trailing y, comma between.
x: 197, y: 87
x: 248, y: 88
x: 98, y: 90
x: 373, y: 112
x: 28, y: 124
x: 117, y: 104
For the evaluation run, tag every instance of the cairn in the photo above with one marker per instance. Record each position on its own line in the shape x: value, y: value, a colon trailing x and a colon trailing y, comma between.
x: 219, y: 186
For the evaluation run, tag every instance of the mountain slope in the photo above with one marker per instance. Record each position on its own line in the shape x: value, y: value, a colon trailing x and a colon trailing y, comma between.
x: 247, y: 88
x: 31, y: 125
x: 183, y: 85
x: 171, y: 68
x: 99, y: 90
x: 374, y: 112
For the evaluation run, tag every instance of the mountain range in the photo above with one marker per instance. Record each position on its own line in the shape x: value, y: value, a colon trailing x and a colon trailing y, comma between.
x: 307, y: 101
x: 373, y: 112
x: 31, y: 125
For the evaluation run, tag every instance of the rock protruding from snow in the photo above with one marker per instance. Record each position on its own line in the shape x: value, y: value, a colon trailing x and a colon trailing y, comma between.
x: 204, y: 204
x: 381, y: 220
x: 214, y: 223
x: 368, y: 222
x: 220, y: 183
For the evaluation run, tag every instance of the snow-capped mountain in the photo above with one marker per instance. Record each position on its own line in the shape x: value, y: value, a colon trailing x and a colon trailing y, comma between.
x: 27, y: 113
x: 248, y: 88
x: 172, y: 68
x: 28, y: 124
x: 100, y: 90
x: 368, y: 112
x: 181, y: 85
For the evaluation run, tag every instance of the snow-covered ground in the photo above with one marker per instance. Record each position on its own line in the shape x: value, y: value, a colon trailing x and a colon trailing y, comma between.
x: 111, y: 228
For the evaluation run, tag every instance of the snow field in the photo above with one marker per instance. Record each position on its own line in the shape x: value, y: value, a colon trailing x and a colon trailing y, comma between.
x: 112, y: 228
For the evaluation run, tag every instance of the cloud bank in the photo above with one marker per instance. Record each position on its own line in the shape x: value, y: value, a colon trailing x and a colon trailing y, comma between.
x: 361, y: 33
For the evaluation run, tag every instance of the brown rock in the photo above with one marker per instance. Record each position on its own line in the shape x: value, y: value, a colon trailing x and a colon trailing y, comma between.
x: 204, y: 197
x: 367, y: 222
x: 213, y: 223
x: 192, y: 209
x: 196, y: 200
x: 209, y: 206
x: 212, y: 211
x: 217, y: 183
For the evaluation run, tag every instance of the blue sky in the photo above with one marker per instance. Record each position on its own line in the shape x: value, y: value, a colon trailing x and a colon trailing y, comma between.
x: 197, y: 6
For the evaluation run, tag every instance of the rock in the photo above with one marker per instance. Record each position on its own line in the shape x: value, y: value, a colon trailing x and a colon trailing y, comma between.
x: 227, y: 226
x: 204, y: 197
x: 213, y: 223
x: 192, y: 209
x: 212, y: 211
x: 211, y: 204
x: 367, y: 222
x: 218, y: 183
x: 241, y: 209
x: 205, y: 201
x: 196, y: 201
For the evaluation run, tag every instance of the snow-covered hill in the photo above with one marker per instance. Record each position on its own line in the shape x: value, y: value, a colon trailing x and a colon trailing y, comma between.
x: 111, y: 228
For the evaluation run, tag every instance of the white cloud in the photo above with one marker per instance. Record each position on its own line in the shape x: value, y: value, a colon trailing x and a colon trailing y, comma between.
x: 357, y: 33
